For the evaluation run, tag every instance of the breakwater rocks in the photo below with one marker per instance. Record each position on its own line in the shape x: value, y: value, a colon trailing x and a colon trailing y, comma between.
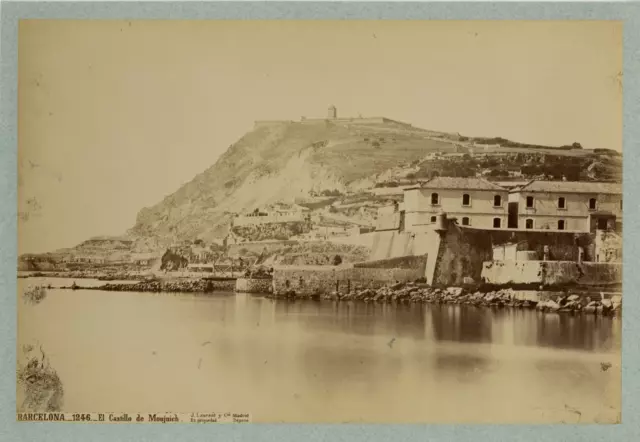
x: 503, y: 298
x: 101, y: 276
x: 254, y: 285
x: 120, y: 277
x: 173, y: 286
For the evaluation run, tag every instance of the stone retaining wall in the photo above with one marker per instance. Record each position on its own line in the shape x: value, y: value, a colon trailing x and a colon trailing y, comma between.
x: 458, y: 255
x: 259, y: 247
x: 404, y: 262
x: 322, y: 280
x: 551, y: 272
x: 563, y: 245
x: 250, y: 285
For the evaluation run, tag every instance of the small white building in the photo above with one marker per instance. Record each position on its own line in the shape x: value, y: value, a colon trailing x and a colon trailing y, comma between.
x: 145, y: 259
x: 200, y: 268
x: 568, y: 205
x: 278, y: 213
x: 473, y: 201
x: 89, y: 259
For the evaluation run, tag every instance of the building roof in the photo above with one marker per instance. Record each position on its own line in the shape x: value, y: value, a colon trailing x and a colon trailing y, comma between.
x: 571, y: 187
x: 200, y: 266
x: 459, y: 184
x: 146, y: 255
x: 287, y: 207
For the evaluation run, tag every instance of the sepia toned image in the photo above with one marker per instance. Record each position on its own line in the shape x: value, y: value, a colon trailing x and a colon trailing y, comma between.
x: 320, y: 221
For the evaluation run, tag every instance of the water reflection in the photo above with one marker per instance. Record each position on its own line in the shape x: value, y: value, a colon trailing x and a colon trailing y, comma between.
x: 463, y: 362
x: 322, y: 361
x: 355, y: 317
x: 461, y: 323
x: 586, y: 332
x: 461, y: 367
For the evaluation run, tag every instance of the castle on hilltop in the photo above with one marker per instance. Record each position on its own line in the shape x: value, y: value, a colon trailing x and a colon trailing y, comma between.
x: 332, y: 117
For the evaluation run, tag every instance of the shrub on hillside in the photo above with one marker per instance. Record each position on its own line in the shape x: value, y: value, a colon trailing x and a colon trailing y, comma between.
x: 498, y: 173
x: 607, y: 152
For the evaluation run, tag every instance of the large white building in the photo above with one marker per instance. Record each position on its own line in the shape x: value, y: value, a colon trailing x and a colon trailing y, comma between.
x: 473, y: 202
x: 566, y: 205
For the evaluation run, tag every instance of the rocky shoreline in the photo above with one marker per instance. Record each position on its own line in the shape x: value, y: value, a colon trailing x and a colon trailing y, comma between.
x: 400, y: 293
x: 408, y: 293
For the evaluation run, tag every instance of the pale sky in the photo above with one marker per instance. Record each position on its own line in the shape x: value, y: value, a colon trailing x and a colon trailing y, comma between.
x: 113, y: 116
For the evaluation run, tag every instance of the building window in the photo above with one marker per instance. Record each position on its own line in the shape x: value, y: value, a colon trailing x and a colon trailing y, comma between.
x: 530, y: 201
x: 435, y: 199
x: 465, y: 221
x: 466, y: 199
x: 497, y: 201
x: 592, y: 204
x: 560, y: 224
x: 561, y: 203
x: 602, y: 224
x: 528, y: 224
x: 496, y: 223
x: 433, y: 219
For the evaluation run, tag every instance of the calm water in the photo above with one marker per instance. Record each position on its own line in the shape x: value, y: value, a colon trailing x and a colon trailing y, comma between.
x: 324, y: 361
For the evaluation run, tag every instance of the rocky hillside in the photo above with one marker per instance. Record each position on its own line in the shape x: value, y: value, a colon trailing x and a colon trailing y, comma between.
x: 282, y: 162
x: 327, y: 163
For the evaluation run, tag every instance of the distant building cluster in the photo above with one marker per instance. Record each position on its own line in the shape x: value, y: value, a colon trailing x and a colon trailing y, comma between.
x: 319, y: 229
x: 278, y: 213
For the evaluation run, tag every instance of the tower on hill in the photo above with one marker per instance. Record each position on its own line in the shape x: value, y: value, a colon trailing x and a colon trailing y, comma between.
x: 333, y: 112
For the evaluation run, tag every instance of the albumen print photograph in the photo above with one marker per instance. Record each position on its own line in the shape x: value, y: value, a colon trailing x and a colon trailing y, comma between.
x: 320, y: 221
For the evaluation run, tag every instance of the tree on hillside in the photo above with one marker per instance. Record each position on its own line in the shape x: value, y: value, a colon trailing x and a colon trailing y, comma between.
x: 337, y: 260
x: 576, y: 145
x: 498, y: 173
